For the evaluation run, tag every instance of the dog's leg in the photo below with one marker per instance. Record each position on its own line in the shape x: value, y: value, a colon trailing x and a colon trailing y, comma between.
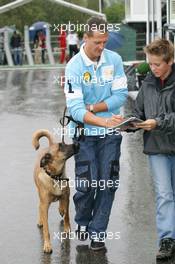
x: 46, y: 235
x: 65, y: 208
x: 61, y: 207
x: 67, y: 227
x: 40, y: 221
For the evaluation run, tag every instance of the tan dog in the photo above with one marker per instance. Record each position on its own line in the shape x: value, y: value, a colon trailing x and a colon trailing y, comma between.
x: 51, y: 182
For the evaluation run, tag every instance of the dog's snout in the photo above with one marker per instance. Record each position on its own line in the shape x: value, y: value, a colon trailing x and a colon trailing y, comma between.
x: 45, y: 160
x: 76, y: 147
x: 62, y: 146
x: 42, y: 163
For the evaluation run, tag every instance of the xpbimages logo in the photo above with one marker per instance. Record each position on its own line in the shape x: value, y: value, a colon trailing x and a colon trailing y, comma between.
x: 72, y: 235
x: 72, y: 27
x: 85, y: 184
x: 101, y: 131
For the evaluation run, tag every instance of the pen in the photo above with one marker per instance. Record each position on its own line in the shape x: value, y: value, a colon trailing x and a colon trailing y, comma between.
x: 115, y: 114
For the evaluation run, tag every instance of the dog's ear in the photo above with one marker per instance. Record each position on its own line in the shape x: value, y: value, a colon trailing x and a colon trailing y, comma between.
x: 45, y: 160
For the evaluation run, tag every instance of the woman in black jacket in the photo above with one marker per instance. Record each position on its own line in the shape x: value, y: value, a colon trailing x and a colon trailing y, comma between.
x: 155, y: 104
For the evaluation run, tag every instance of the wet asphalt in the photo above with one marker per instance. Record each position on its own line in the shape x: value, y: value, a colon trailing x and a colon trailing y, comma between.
x: 33, y: 99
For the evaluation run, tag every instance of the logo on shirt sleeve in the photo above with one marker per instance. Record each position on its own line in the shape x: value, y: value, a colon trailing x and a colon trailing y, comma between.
x: 108, y: 72
x: 70, y: 87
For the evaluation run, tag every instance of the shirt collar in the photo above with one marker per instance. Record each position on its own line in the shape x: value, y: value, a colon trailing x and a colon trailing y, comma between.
x: 88, y: 61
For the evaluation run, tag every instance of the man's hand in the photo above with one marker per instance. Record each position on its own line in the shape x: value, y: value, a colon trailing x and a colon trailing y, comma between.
x: 113, y: 121
x: 108, y: 122
x: 148, y: 125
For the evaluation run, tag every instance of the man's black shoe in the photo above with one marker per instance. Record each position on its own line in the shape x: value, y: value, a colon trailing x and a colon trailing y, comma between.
x: 166, y: 249
x: 97, y: 245
x: 81, y: 233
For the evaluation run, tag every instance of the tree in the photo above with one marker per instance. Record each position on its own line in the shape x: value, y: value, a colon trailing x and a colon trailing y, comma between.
x: 115, y: 13
x: 41, y: 10
x: 4, y: 2
x: 45, y: 10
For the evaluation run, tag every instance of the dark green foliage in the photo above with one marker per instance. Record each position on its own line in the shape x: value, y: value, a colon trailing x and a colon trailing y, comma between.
x: 143, y: 68
x: 45, y: 10
x: 115, y: 13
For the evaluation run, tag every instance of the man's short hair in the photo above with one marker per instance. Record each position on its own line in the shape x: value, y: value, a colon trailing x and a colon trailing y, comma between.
x: 96, y: 23
x: 161, y: 47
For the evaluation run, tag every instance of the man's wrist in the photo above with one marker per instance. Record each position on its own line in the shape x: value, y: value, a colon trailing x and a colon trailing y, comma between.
x: 91, y: 108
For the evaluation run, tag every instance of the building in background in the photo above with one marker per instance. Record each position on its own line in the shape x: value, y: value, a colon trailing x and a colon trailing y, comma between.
x: 169, y: 26
x: 146, y: 18
x: 171, y: 11
x: 150, y: 19
x: 128, y: 48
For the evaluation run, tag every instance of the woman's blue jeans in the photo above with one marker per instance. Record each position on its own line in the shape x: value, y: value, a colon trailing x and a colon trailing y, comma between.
x: 163, y: 170
x: 97, y: 179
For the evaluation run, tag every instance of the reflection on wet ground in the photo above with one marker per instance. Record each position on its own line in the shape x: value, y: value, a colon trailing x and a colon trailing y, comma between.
x: 30, y: 92
x: 30, y: 100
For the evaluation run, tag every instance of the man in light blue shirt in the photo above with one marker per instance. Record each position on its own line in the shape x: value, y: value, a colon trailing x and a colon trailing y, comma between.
x: 95, y: 90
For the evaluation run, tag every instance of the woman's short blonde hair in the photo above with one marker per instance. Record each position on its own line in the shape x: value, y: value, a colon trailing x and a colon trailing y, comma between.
x: 161, y: 47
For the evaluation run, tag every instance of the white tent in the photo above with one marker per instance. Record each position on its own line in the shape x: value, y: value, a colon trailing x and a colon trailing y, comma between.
x: 17, y: 3
x: 9, y: 29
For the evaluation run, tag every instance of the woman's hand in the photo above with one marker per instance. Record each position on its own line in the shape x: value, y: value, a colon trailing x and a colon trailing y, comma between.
x: 148, y: 125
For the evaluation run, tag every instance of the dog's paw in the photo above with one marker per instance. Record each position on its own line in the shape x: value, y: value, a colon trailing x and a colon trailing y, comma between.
x: 67, y: 228
x: 39, y: 225
x: 47, y: 247
x: 61, y: 211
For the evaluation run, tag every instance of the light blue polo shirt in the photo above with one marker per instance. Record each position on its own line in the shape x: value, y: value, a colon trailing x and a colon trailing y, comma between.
x: 87, y: 82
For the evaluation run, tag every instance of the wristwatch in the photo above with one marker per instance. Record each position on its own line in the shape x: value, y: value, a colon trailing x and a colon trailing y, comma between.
x: 91, y: 108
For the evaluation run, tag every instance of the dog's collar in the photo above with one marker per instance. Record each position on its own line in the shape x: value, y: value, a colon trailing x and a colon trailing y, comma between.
x: 56, y: 177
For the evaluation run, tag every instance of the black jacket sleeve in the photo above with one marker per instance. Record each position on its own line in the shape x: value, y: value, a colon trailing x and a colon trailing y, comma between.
x: 166, y: 120
x: 139, y: 105
x: 166, y: 123
x: 138, y: 110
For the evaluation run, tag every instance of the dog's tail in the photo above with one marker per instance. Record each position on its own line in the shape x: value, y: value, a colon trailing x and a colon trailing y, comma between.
x: 41, y: 133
